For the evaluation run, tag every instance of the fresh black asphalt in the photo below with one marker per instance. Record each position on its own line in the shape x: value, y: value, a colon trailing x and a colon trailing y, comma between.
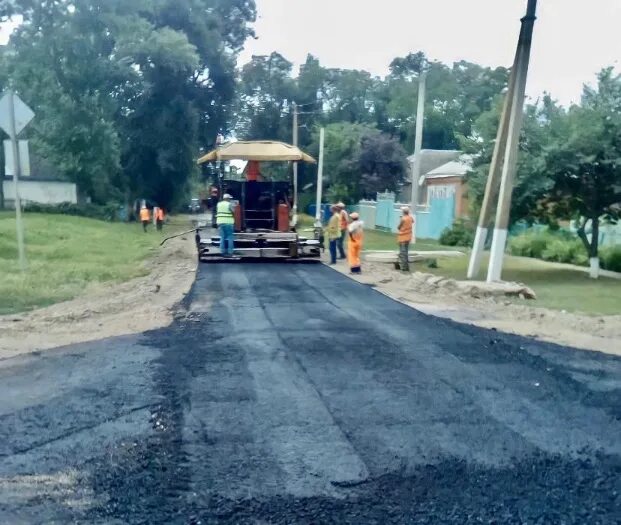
x: 291, y: 394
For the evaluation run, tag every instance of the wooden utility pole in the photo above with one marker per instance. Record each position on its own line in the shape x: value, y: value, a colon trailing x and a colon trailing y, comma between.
x: 295, y: 164
x: 493, y: 178
x: 418, y: 141
x: 509, y: 167
x: 319, y: 179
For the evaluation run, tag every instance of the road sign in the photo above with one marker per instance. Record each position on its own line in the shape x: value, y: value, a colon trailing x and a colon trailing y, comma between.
x: 23, y: 114
x: 24, y: 158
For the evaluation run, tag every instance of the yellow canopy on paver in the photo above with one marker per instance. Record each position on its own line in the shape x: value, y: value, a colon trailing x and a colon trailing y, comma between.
x: 257, y: 150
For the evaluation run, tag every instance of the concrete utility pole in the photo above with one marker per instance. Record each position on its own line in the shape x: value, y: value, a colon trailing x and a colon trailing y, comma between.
x: 16, y: 174
x: 510, y: 161
x: 319, y: 179
x: 418, y: 141
x: 295, y: 164
x: 493, y: 178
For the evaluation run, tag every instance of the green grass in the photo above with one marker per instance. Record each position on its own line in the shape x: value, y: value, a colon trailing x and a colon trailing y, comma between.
x: 556, y: 288
x: 66, y: 254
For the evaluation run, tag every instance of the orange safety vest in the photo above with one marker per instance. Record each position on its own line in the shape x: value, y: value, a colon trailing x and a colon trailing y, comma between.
x: 405, y: 231
x: 145, y: 214
x: 160, y: 214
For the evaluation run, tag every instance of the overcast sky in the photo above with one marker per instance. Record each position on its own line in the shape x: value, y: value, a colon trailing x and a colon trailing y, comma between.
x: 573, y: 39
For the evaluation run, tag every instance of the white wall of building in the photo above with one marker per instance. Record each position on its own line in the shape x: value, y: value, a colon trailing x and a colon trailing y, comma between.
x: 42, y: 192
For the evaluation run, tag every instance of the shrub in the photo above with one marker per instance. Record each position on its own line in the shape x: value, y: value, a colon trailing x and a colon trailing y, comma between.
x: 460, y: 234
x: 611, y: 258
x: 531, y: 244
x: 559, y: 246
x: 109, y: 212
x: 565, y: 251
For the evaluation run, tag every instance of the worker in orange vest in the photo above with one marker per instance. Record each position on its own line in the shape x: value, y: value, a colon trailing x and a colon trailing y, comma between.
x: 354, y: 245
x: 344, y: 218
x: 404, y: 238
x: 159, y: 218
x: 145, y: 217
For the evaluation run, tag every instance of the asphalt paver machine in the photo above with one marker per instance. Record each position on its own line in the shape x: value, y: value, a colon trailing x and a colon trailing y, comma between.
x: 265, y: 226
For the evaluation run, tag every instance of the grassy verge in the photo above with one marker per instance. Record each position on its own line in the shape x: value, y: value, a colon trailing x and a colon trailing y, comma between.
x: 560, y: 289
x: 66, y: 254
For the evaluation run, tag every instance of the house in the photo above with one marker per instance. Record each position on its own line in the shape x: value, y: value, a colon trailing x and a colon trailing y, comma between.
x: 430, y: 160
x: 44, y: 186
x: 448, y: 180
x: 442, y: 196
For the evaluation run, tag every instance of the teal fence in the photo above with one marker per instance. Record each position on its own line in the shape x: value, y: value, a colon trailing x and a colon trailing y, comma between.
x: 385, y: 214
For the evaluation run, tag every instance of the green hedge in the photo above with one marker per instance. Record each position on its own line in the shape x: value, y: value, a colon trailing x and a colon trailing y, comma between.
x: 562, y: 247
x: 460, y: 234
x: 109, y: 212
x: 610, y: 258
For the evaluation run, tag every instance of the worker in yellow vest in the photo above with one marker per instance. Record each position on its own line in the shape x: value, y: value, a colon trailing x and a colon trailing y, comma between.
x: 226, y: 225
x: 145, y: 217
x: 404, y: 238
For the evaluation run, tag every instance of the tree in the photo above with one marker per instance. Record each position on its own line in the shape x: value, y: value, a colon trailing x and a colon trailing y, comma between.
x: 542, y: 122
x: 267, y: 91
x: 381, y: 162
x: 125, y: 90
x: 360, y: 161
x: 584, y: 163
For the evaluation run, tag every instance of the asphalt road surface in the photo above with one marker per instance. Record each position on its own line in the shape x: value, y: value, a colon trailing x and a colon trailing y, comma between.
x: 290, y: 394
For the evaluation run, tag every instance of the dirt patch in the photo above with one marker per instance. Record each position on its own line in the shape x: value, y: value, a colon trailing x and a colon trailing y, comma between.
x: 107, y: 310
x: 443, y: 298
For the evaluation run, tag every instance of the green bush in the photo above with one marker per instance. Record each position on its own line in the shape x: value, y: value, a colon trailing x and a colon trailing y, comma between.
x: 559, y: 246
x: 531, y: 244
x: 565, y: 251
x: 109, y: 212
x: 460, y: 234
x: 610, y: 258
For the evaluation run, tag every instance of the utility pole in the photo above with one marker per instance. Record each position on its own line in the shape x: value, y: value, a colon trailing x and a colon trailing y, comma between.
x: 493, y: 178
x: 418, y: 141
x: 319, y: 179
x: 509, y: 167
x: 16, y: 173
x: 295, y: 164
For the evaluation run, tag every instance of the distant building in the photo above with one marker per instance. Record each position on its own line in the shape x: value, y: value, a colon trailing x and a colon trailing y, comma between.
x: 448, y: 179
x: 430, y: 160
x: 442, y: 196
x: 40, y: 190
x: 44, y: 186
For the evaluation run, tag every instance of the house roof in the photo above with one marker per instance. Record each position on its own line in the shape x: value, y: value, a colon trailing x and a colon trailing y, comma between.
x: 455, y: 168
x: 434, y: 158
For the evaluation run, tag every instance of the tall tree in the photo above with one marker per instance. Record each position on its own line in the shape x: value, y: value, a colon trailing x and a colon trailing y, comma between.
x: 125, y: 90
x: 584, y: 163
x: 267, y: 91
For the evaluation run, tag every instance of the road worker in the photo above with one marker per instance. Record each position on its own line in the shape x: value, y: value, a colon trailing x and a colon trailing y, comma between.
x: 354, y: 246
x: 334, y: 231
x: 145, y: 217
x: 404, y: 238
x: 343, y: 225
x: 159, y: 218
x: 213, y: 204
x: 226, y: 225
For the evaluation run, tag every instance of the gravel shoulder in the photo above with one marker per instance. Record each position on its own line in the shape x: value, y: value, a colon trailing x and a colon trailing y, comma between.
x: 599, y: 333
x: 107, y: 310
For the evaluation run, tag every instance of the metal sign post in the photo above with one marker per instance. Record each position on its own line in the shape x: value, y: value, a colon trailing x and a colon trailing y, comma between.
x: 14, y: 117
